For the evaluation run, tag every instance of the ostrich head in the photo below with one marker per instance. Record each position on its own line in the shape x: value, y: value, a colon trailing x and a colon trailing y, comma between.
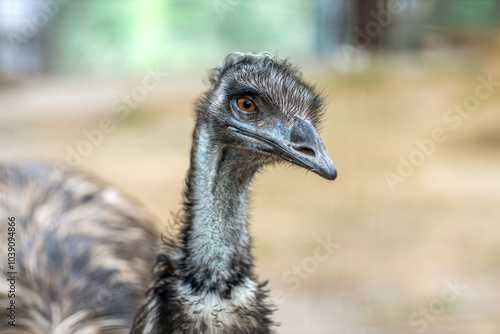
x: 259, y: 109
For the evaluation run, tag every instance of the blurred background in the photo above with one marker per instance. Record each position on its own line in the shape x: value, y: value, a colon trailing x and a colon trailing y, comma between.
x: 406, y: 240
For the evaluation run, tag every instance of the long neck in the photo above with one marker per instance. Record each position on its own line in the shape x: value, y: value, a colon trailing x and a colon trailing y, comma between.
x: 205, y: 282
x: 216, y: 252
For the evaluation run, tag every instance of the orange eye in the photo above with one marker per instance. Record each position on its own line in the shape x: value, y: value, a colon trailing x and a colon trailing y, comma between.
x: 245, y: 104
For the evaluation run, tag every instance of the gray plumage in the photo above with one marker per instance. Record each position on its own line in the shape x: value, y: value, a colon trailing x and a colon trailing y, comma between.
x: 81, y: 237
x: 83, y: 252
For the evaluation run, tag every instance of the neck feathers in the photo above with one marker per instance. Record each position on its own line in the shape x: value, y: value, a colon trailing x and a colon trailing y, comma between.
x: 206, y: 284
x: 216, y: 244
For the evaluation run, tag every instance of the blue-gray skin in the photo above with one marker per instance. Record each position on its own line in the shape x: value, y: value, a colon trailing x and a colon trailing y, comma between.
x: 257, y: 111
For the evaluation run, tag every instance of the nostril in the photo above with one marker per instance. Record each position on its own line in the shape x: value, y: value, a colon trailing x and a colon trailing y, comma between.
x: 306, y: 151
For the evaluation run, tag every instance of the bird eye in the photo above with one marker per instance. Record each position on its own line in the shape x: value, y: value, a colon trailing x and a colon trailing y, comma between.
x: 246, y: 105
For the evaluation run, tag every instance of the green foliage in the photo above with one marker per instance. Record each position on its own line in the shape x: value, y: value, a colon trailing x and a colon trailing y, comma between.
x: 467, y: 14
x: 129, y: 35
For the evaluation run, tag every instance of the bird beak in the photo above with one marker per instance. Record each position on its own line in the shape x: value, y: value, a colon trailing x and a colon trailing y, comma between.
x: 306, y: 149
x: 301, y: 146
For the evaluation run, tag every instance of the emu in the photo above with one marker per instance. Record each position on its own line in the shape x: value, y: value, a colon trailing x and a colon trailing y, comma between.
x: 84, y: 253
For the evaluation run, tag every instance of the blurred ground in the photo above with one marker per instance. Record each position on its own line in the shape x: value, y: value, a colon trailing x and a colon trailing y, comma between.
x: 423, y: 257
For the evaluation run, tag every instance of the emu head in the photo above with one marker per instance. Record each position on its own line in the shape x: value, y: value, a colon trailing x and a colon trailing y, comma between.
x: 259, y: 107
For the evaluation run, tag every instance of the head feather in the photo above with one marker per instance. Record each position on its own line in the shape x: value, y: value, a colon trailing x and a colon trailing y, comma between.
x: 275, y: 79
